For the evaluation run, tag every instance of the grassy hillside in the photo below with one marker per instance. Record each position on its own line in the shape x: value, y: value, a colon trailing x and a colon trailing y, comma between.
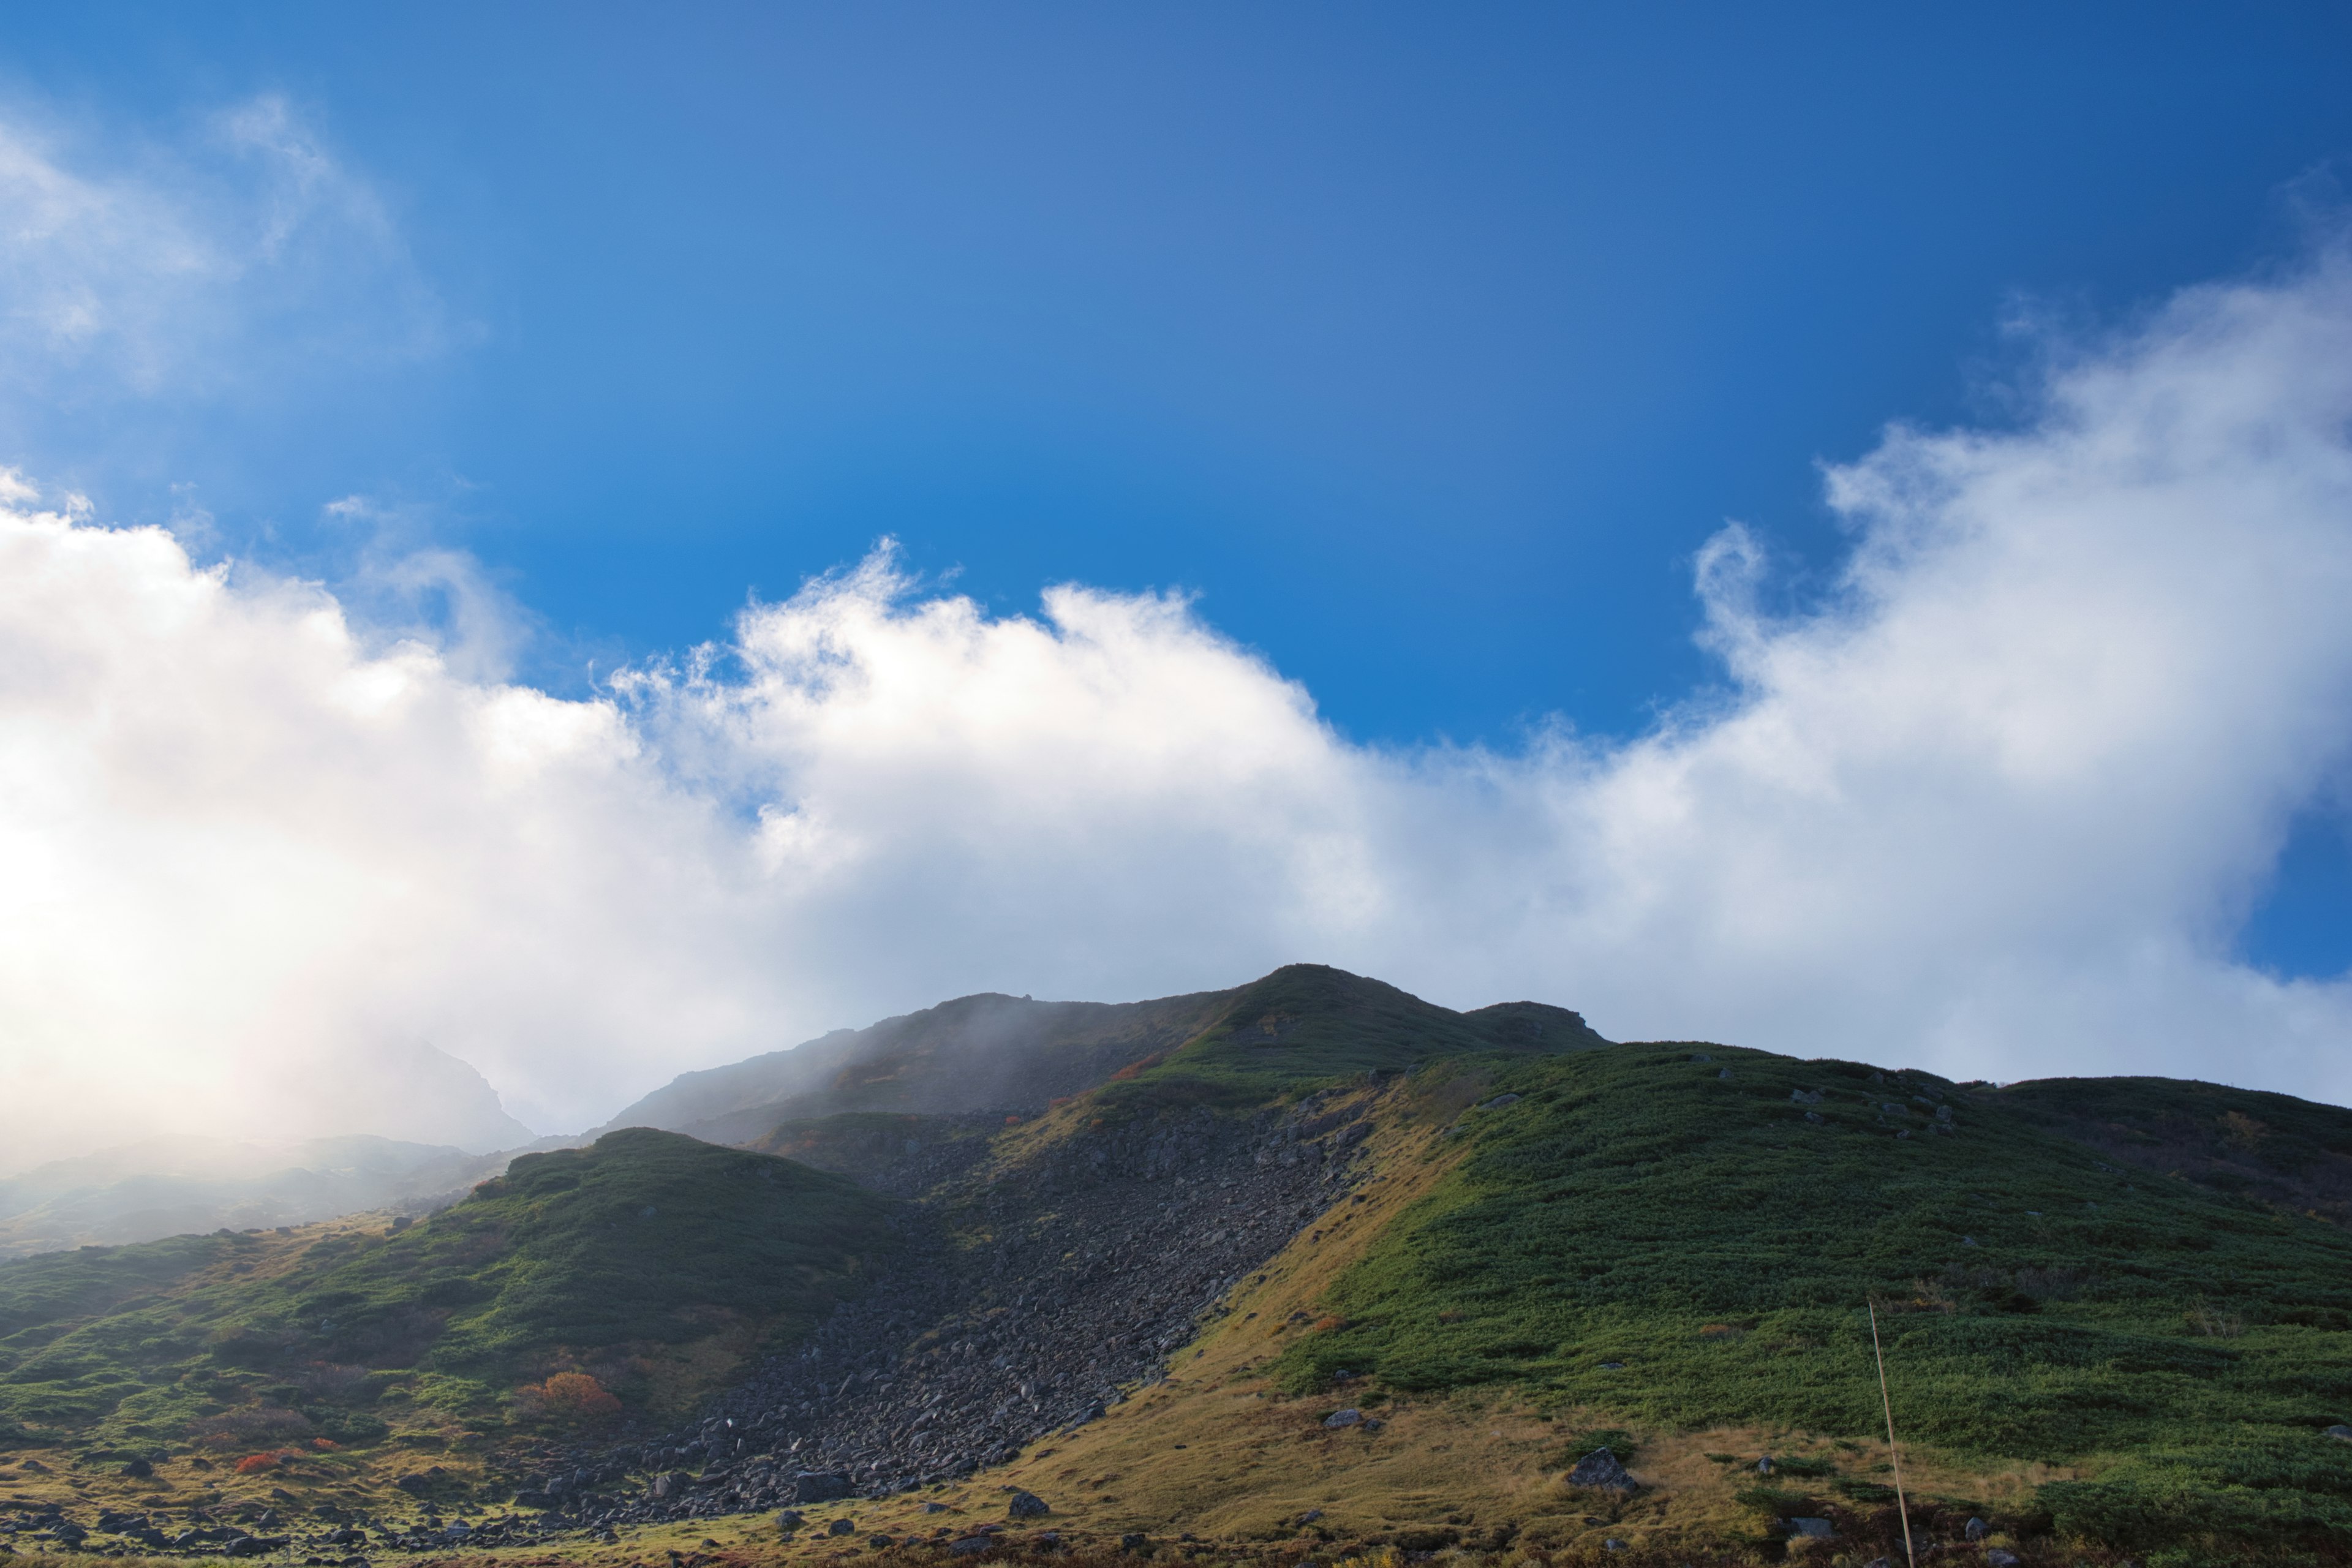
x: 650, y: 1262
x: 1307, y: 1025
x: 1662, y: 1235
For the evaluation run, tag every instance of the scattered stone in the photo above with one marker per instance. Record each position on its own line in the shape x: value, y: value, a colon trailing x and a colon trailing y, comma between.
x: 969, y: 1545
x: 2341, y: 1434
x: 1026, y: 1505
x: 1501, y: 1101
x: 1804, y: 1097
x: 793, y: 1518
x: 1996, y: 1558
x: 139, y: 1468
x: 818, y: 1486
x: 1348, y: 1417
x: 1613, y: 1544
x: 1701, y: 1057
x: 1764, y: 1466
x: 1725, y: 1075
x: 1815, y: 1117
x: 1310, y: 1517
x: 1612, y: 1366
x: 842, y: 1527
x: 1976, y: 1530
x: 1601, y: 1471
x: 1812, y: 1529
x: 1135, y: 1543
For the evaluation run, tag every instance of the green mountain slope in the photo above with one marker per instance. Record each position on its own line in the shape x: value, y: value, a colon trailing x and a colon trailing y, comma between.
x: 975, y: 1053
x: 637, y: 1259
x: 1667, y: 1235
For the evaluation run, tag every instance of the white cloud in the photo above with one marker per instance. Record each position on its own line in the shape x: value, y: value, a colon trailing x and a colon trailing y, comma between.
x: 1997, y: 807
x: 172, y: 273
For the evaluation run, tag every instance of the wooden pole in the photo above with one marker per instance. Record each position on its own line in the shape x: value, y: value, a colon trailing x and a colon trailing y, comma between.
x: 1894, y: 1457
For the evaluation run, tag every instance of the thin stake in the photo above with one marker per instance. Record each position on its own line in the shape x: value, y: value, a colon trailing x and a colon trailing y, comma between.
x: 1894, y: 1457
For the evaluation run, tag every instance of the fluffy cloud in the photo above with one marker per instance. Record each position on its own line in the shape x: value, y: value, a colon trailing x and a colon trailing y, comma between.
x: 1997, y: 806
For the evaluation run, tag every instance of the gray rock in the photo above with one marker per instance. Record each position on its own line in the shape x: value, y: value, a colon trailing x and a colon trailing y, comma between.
x: 1613, y: 1544
x: 968, y: 1546
x: 930, y: 1507
x: 1725, y: 1075
x: 1601, y: 1471
x: 1701, y: 1057
x: 819, y: 1486
x: 2340, y: 1433
x: 1996, y: 1558
x: 1815, y: 1117
x: 790, y: 1518
x: 1764, y: 1466
x: 1135, y: 1543
x: 842, y: 1527
x: 1804, y: 1097
x: 1310, y: 1517
x: 1976, y: 1530
x: 1026, y: 1505
x: 1812, y: 1529
x: 1348, y: 1417
x: 1501, y: 1101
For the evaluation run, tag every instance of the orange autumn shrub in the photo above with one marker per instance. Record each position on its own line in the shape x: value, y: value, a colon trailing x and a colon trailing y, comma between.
x: 325, y: 1445
x: 253, y: 1464
x: 571, y: 1397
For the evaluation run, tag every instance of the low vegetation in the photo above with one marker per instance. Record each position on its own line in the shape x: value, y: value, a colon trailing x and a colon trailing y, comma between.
x: 1686, y: 1236
x: 634, y: 1273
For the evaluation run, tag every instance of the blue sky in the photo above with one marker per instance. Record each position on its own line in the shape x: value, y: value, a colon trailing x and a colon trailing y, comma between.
x: 1425, y: 346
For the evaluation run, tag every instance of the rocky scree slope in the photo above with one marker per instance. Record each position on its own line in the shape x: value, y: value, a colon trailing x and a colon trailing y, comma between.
x: 1063, y: 1263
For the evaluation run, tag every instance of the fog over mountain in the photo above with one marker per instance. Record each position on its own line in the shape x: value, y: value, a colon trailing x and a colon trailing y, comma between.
x: 1995, y: 804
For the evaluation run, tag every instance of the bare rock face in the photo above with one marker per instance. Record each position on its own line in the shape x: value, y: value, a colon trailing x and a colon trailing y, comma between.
x: 1601, y: 1471
x: 1026, y: 1505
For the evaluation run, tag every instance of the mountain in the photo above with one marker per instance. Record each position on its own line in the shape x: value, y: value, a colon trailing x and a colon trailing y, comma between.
x: 996, y: 1054
x: 1337, y: 1271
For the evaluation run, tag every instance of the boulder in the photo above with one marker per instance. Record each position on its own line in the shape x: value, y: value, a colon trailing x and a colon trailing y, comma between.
x: 2340, y: 1433
x: 1026, y: 1505
x: 842, y: 1527
x: 790, y: 1518
x: 1599, y: 1470
x: 968, y: 1546
x: 1348, y: 1418
x: 819, y: 1486
x: 1812, y: 1529
x: 1997, y: 1558
x: 1764, y: 1466
x: 1135, y: 1543
x: 1976, y: 1530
